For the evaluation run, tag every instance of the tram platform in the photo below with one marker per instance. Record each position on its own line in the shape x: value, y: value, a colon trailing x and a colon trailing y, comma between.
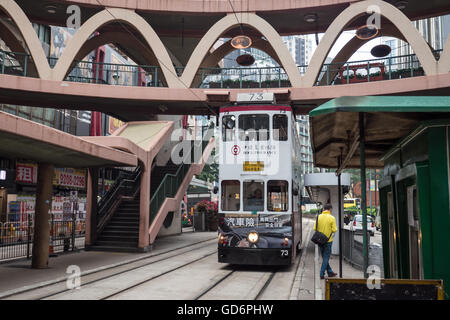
x: 16, y: 276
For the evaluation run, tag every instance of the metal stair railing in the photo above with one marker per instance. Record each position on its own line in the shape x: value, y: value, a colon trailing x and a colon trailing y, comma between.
x: 171, y: 182
x: 125, y: 185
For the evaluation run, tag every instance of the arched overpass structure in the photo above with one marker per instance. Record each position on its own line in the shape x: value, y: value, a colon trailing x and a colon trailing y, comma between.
x: 143, y: 29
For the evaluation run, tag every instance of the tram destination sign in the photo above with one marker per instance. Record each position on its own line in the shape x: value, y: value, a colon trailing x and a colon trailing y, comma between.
x: 253, y: 166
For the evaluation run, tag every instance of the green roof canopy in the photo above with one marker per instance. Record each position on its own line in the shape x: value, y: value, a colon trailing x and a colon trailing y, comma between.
x: 334, y: 126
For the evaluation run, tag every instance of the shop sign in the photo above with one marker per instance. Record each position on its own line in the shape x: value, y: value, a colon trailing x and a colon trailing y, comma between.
x: 26, y: 172
x: 68, y: 177
x: 114, y: 124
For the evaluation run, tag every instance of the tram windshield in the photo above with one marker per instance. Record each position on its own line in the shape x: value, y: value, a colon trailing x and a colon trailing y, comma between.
x: 280, y: 127
x: 277, y: 195
x: 228, y: 128
x: 253, y: 195
x: 254, y: 127
x: 231, y: 191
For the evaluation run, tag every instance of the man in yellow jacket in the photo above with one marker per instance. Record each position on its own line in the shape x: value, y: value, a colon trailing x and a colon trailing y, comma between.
x: 327, y: 225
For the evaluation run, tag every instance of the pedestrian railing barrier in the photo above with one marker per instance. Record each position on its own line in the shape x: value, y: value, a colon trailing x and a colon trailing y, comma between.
x: 16, y: 238
x: 335, y: 73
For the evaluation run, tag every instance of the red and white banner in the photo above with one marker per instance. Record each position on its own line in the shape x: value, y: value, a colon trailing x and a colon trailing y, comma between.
x: 26, y: 172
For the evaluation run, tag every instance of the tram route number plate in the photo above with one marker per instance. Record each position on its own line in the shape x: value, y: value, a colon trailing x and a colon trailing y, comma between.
x: 255, y: 97
x: 253, y: 166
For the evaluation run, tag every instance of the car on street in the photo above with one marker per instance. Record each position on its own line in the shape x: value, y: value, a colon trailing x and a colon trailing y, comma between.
x: 356, y: 224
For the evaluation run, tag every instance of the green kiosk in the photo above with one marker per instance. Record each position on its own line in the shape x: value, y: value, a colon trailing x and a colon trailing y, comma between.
x: 408, y: 136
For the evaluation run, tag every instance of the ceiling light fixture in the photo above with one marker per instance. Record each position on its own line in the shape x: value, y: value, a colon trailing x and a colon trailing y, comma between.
x: 310, y: 18
x: 366, y: 32
x: 241, y: 42
x: 401, y: 5
x: 50, y: 9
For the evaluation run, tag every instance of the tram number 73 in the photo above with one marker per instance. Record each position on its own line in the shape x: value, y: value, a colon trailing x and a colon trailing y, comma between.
x: 284, y: 253
x: 255, y: 97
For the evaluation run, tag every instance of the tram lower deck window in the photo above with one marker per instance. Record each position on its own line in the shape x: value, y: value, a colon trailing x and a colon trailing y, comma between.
x: 230, y: 195
x: 254, y: 127
x: 277, y: 195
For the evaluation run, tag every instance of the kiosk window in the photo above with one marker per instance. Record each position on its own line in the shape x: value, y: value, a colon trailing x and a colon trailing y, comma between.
x: 280, y: 127
x: 231, y: 195
x: 277, y: 195
x: 254, y: 127
x: 253, y: 195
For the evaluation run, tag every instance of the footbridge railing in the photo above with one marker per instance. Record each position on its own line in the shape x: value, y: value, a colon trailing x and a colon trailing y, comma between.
x: 335, y: 73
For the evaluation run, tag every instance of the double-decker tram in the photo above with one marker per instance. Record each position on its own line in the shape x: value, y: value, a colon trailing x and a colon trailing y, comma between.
x: 259, y: 184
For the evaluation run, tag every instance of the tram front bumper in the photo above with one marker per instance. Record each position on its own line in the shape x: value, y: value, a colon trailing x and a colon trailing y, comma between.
x: 250, y: 256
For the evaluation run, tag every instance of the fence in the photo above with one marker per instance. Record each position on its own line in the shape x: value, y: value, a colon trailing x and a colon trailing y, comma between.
x: 391, y: 67
x: 16, y: 238
x: 352, y: 250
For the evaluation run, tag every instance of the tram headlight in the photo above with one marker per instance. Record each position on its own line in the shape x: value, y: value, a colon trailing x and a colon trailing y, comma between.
x: 223, y: 240
x: 253, y: 237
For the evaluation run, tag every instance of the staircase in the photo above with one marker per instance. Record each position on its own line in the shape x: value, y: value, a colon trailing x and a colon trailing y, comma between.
x: 118, y: 211
x: 118, y: 215
x: 121, y: 232
x: 170, y: 183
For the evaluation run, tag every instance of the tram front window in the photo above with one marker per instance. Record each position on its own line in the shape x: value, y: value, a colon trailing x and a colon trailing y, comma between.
x: 280, y: 127
x: 277, y: 195
x: 254, y: 127
x: 253, y: 195
x: 231, y: 191
x: 228, y: 128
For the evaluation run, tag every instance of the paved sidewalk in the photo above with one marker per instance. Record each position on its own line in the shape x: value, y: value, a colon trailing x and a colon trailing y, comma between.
x: 18, y: 274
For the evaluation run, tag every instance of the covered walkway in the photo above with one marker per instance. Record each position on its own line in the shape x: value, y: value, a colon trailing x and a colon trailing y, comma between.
x: 24, y: 139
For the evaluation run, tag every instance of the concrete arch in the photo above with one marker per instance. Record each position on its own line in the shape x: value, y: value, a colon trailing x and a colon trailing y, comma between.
x: 125, y: 16
x: 400, y: 21
x: 143, y: 56
x: 33, y: 44
x: 351, y: 47
x: 444, y: 60
x: 213, y: 59
x: 225, y: 24
x: 14, y: 41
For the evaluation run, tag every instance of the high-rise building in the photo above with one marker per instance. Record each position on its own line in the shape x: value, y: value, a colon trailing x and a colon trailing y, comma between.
x: 435, y: 32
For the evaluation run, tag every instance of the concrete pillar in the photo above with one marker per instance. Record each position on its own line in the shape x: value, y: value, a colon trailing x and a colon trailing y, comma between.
x: 91, y: 207
x: 41, y: 219
x: 144, y: 209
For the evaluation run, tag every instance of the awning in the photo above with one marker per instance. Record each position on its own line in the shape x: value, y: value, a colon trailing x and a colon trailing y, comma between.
x: 334, y: 126
x: 28, y: 140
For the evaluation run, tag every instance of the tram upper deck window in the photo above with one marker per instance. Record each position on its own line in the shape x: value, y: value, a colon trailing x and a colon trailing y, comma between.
x: 277, y: 195
x: 253, y: 195
x: 228, y: 128
x: 254, y: 127
x: 280, y: 127
x: 230, y: 197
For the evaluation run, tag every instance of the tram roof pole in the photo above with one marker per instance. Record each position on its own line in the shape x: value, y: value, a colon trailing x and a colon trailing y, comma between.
x: 340, y: 214
x: 362, y: 157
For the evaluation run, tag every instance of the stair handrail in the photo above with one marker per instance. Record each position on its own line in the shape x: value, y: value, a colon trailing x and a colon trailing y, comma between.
x: 179, y: 174
x: 115, y: 197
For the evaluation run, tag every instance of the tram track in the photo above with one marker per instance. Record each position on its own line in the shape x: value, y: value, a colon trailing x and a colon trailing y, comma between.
x: 156, y: 276
x: 99, y: 275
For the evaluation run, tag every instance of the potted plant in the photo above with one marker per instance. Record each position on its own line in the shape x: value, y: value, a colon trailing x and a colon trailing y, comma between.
x: 209, y: 209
